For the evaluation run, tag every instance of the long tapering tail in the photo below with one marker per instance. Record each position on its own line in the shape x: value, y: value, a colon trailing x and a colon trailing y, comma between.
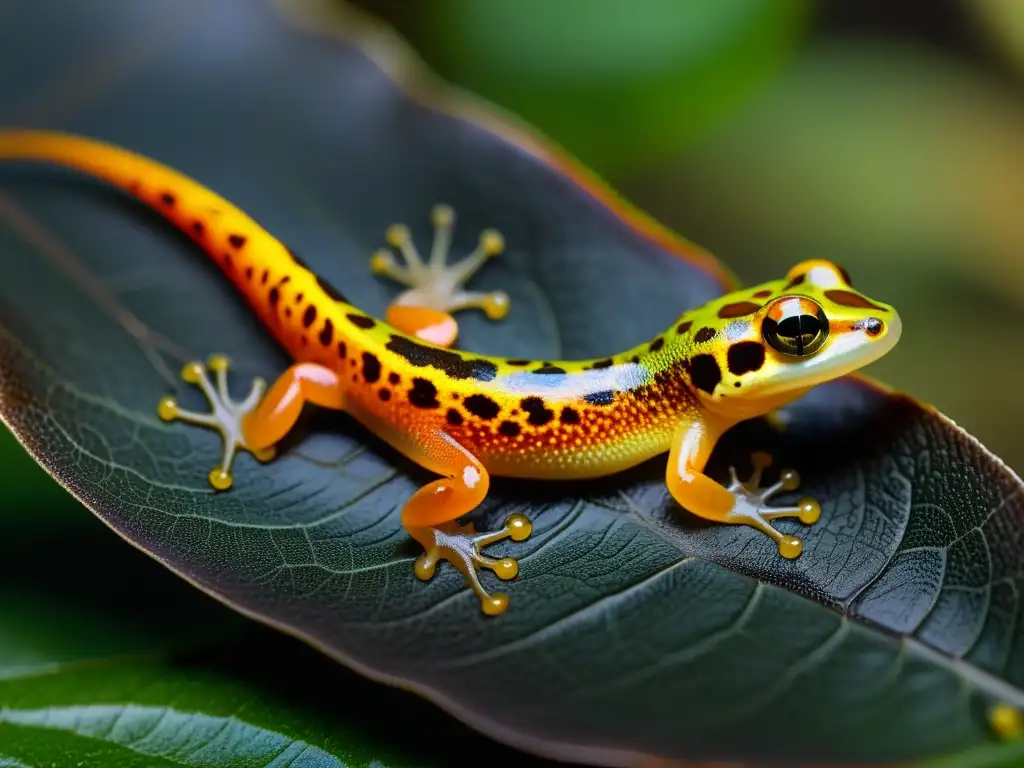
x: 214, y: 223
x: 259, y: 265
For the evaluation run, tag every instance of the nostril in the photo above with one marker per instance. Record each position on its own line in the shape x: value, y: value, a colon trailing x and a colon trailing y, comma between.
x: 873, y: 326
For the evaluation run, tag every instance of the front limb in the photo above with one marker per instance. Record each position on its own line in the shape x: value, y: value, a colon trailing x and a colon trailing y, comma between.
x: 740, y: 503
x: 256, y: 423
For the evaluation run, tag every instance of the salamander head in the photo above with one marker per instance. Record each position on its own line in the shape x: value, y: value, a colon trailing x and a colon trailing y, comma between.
x: 764, y: 346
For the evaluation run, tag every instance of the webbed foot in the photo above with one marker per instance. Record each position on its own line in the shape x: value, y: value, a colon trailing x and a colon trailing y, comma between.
x: 225, y: 414
x: 436, y: 287
x: 462, y: 548
x: 751, y: 499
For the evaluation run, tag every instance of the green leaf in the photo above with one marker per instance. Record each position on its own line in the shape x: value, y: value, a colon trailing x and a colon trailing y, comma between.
x: 107, y: 659
x: 633, y: 630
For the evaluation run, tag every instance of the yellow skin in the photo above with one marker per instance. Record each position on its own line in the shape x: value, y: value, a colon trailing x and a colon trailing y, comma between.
x: 466, y: 416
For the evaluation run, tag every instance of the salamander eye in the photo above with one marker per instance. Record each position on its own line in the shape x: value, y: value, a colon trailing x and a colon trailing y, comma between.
x: 795, y: 326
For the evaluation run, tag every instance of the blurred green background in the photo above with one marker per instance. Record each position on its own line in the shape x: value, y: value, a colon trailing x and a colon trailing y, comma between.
x: 888, y: 137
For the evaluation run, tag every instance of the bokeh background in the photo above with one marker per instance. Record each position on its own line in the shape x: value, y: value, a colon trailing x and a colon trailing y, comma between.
x: 886, y: 136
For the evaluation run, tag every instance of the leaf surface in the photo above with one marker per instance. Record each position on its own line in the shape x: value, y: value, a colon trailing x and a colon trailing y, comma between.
x: 634, y: 630
x: 96, y: 671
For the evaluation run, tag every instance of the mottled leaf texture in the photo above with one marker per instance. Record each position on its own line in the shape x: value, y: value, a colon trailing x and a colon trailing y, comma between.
x: 633, y: 630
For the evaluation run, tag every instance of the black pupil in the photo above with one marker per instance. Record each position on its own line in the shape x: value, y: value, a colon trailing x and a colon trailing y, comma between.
x: 799, y: 330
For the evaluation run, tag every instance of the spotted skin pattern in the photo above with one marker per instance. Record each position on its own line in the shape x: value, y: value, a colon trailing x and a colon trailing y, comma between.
x: 466, y: 416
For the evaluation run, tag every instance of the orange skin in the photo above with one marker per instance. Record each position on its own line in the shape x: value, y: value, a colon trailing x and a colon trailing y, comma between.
x: 466, y: 416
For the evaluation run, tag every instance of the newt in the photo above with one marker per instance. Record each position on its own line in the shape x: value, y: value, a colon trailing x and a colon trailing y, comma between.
x: 467, y: 417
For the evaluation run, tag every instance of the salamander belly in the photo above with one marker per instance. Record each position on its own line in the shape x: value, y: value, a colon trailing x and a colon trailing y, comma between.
x: 544, y: 462
x: 536, y: 442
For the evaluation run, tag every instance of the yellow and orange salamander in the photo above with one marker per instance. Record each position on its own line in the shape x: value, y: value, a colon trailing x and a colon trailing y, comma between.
x: 466, y: 416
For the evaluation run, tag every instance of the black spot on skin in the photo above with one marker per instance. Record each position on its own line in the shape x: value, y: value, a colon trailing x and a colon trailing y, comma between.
x: 371, y: 368
x: 384, y: 394
x: 569, y: 416
x: 274, y: 296
x: 604, y: 397
x: 453, y: 417
x: 850, y: 299
x: 745, y: 357
x: 237, y: 241
x: 248, y: 273
x: 361, y: 321
x: 327, y: 333
x: 509, y: 428
x: 304, y: 341
x: 547, y: 368
x: 705, y: 373
x: 795, y: 282
x: 423, y: 394
x: 704, y: 335
x: 657, y: 344
x: 763, y: 294
x: 198, y: 229
x: 452, y: 364
x: 684, y: 326
x: 606, y: 363
x: 285, y: 279
x: 309, y: 316
x: 539, y: 414
x: 330, y: 290
x: 287, y: 311
x: 228, y: 265
x: 298, y: 297
x: 264, y: 276
x: 394, y: 378
x: 168, y: 199
x: 636, y: 358
x: 518, y: 362
x: 342, y: 349
x: 738, y: 309
x: 482, y: 406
